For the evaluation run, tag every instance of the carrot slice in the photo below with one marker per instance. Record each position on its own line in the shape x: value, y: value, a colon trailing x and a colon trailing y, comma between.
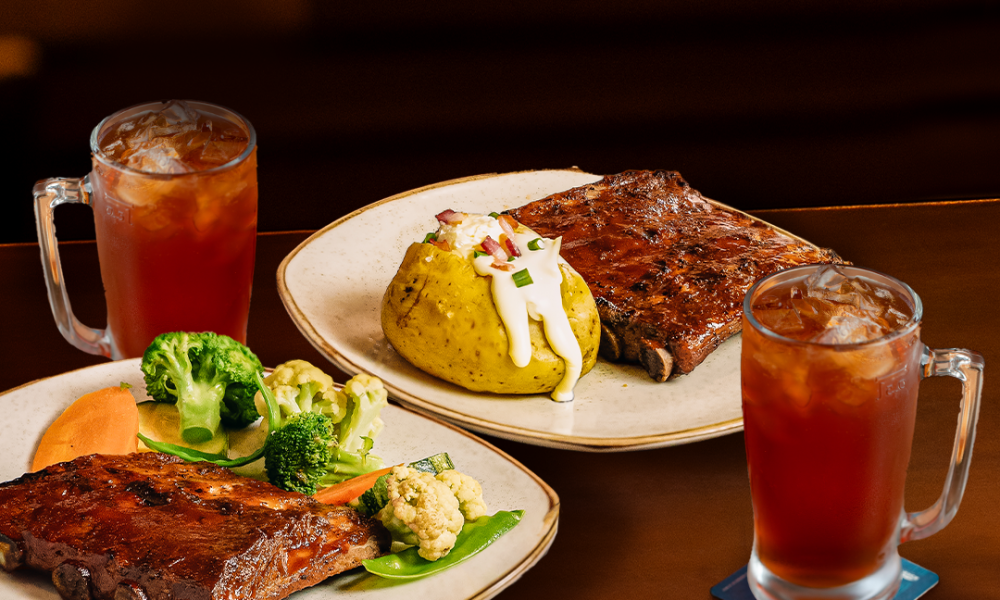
x: 345, y: 491
x: 101, y: 422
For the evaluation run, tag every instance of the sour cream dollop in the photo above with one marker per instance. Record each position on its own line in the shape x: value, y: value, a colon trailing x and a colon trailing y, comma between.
x: 528, y: 286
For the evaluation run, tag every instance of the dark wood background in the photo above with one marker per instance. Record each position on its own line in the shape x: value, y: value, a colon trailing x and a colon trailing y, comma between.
x: 767, y: 104
x: 762, y: 105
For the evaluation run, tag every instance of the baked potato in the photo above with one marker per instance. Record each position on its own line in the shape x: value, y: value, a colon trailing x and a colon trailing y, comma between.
x: 439, y: 314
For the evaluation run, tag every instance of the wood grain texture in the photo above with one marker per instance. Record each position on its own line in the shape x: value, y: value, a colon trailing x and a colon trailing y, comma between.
x: 672, y: 522
x: 759, y: 105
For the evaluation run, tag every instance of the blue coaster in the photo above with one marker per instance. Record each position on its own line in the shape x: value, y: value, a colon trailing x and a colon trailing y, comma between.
x: 916, y: 581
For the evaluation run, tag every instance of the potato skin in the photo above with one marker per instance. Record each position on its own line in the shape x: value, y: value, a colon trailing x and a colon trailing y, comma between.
x: 438, y: 313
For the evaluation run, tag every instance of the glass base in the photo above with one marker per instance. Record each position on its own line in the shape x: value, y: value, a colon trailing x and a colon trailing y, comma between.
x: 880, y: 585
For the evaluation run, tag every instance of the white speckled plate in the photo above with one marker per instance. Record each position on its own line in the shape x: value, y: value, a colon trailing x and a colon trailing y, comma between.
x: 332, y: 286
x: 507, y: 485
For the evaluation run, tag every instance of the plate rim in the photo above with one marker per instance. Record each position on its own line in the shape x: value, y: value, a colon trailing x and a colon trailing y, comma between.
x: 550, y: 520
x: 510, y: 432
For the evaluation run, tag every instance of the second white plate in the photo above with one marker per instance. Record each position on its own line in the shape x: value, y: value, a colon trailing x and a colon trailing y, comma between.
x: 507, y: 485
x: 332, y: 286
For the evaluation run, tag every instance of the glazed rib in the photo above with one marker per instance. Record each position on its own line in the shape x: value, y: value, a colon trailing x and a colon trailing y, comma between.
x: 154, y: 526
x: 668, y: 268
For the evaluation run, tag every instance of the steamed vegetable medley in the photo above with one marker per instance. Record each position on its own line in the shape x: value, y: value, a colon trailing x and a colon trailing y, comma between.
x: 323, y: 435
x: 487, y: 304
x: 316, y: 439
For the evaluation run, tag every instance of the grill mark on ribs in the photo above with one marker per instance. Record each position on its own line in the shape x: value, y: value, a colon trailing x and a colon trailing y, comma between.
x: 154, y: 526
x: 667, y: 268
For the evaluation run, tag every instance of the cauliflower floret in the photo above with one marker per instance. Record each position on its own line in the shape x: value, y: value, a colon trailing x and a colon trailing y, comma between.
x: 468, y: 491
x: 299, y: 387
x: 422, y: 511
x: 370, y: 396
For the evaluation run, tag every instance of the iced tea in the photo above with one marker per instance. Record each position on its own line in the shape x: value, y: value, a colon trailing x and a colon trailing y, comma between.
x: 830, y: 370
x: 175, y: 205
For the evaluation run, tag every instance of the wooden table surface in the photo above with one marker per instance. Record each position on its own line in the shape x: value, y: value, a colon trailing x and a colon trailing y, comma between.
x: 671, y: 522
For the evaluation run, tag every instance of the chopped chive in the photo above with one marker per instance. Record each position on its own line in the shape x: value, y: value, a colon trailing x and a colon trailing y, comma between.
x: 495, y: 215
x: 535, y: 244
x: 430, y: 236
x: 478, y: 253
x: 522, y: 278
x: 511, y: 258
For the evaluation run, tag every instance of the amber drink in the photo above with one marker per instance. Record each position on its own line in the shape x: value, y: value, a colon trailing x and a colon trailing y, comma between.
x: 831, y: 363
x: 174, y: 193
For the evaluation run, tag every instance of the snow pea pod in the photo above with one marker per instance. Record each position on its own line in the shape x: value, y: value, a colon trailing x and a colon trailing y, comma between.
x: 192, y: 455
x: 475, y: 536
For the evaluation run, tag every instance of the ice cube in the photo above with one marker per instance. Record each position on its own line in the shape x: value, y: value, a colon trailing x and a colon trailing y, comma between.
x: 857, y: 309
x: 114, y: 149
x: 140, y: 190
x: 208, y: 217
x: 158, y: 141
x: 827, y: 277
x: 865, y: 296
x: 884, y: 294
x: 767, y: 301
x: 220, y: 151
x: 896, y: 319
x: 783, y: 321
x: 176, y: 133
x: 865, y: 363
x: 227, y: 142
x: 851, y: 328
x: 849, y: 295
x: 158, y: 159
x: 812, y: 309
x: 178, y: 112
x: 830, y: 283
x: 175, y: 139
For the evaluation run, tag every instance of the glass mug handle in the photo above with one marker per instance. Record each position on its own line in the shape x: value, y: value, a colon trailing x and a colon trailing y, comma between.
x: 968, y: 367
x: 50, y: 193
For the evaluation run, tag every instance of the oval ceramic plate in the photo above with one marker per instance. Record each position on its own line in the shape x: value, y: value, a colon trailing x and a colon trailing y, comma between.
x: 507, y: 485
x: 332, y: 286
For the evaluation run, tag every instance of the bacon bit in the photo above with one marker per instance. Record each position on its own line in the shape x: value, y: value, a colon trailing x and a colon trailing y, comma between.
x: 492, y: 247
x: 442, y: 244
x: 450, y: 217
x: 508, y: 224
x: 512, y: 249
x: 503, y: 266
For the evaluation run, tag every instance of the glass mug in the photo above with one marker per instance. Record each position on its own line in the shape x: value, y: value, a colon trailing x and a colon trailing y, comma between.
x: 174, y: 194
x: 829, y: 406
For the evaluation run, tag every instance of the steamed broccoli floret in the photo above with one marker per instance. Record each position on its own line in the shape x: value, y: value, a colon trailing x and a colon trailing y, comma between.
x: 310, y: 448
x: 210, y: 377
x: 305, y: 455
x: 301, y: 387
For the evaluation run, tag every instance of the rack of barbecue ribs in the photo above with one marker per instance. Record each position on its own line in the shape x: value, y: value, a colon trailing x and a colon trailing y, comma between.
x: 667, y: 267
x: 152, y: 526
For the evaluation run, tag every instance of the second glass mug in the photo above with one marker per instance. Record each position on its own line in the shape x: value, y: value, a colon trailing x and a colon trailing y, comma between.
x: 176, y: 250
x: 828, y: 431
